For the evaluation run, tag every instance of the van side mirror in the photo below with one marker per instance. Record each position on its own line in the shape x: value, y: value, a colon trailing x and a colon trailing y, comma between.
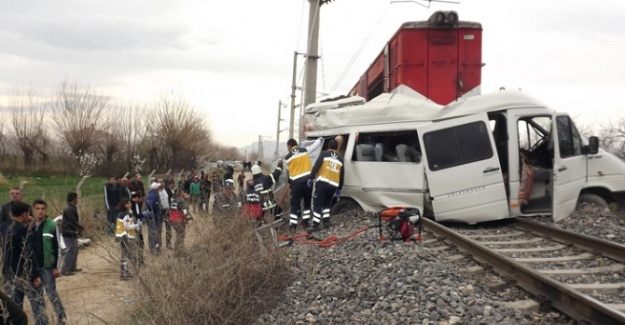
x: 593, y: 146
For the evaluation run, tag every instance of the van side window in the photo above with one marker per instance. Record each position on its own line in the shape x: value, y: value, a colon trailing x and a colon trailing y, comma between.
x: 568, y: 137
x: 457, y: 145
x: 388, y: 146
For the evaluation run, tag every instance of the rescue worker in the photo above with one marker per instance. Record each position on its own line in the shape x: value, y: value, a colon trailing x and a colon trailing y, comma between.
x: 262, y: 186
x: 179, y: 216
x: 226, y: 203
x: 126, y: 230
x: 299, y: 168
x: 328, y: 175
x: 252, y: 208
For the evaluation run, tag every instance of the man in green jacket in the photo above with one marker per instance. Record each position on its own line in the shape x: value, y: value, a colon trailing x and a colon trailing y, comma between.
x: 194, y: 190
x: 48, y: 254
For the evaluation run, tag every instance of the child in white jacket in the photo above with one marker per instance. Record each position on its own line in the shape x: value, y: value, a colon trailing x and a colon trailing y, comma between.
x: 126, y: 230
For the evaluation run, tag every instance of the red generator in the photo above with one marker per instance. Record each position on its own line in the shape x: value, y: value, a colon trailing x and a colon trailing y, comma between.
x: 440, y: 59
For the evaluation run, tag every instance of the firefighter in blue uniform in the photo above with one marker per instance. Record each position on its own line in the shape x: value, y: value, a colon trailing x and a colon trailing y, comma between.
x: 299, y: 167
x: 328, y: 174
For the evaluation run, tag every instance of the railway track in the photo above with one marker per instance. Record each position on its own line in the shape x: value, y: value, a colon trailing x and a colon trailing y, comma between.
x: 579, y: 275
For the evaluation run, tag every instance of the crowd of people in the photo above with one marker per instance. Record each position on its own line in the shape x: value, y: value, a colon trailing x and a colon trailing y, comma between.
x: 32, y: 258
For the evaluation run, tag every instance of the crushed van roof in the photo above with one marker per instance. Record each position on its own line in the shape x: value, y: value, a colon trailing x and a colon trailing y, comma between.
x: 490, y: 102
x: 393, y: 108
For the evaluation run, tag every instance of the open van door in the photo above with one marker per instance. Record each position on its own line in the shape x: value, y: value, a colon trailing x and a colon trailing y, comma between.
x: 569, y: 166
x: 463, y: 171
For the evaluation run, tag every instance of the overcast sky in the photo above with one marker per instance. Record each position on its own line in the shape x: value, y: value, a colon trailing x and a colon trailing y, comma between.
x: 233, y: 59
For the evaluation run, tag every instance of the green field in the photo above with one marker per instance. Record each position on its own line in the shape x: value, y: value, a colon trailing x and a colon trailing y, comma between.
x: 54, y: 191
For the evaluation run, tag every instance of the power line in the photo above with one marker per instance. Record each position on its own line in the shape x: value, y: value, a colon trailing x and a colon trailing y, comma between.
x: 301, y: 22
x: 323, y: 68
x: 358, y: 51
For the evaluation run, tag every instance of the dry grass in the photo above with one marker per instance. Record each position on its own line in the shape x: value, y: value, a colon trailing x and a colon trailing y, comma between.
x: 223, y: 278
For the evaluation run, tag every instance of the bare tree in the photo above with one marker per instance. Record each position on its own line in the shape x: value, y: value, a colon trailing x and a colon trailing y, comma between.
x: 124, y: 135
x: 79, y: 115
x: 611, y: 136
x: 27, y: 118
x: 178, y: 135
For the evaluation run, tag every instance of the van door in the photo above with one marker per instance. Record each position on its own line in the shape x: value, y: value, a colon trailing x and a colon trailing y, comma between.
x: 569, y: 166
x: 463, y: 172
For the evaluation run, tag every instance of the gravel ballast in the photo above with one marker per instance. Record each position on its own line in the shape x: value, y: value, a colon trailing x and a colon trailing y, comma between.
x: 594, y: 221
x: 365, y: 281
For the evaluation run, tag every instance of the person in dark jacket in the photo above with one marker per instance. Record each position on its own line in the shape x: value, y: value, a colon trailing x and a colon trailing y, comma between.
x: 226, y: 202
x: 137, y: 201
x: 251, y: 205
x: 14, y: 314
x: 71, y: 229
x: 263, y: 186
x: 5, y: 213
x: 137, y: 185
x: 229, y: 173
x: 169, y: 191
x: 328, y: 175
x: 111, y: 199
x: 155, y: 220
x: 205, y: 190
x: 125, y: 190
x: 20, y: 267
x: 48, y: 254
x: 218, y: 183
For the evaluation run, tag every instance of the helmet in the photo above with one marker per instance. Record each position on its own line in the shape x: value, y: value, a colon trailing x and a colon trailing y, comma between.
x: 229, y: 183
x: 256, y: 170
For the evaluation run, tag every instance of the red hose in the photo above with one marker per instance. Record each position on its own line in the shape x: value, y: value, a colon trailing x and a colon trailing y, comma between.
x: 327, y: 242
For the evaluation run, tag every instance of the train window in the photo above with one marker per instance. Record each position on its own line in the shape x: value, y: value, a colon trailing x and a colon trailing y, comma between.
x: 389, y: 146
x: 457, y: 145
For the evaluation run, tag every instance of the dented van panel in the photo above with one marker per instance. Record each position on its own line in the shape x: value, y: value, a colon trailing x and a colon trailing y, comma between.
x: 488, y: 157
x: 376, y: 185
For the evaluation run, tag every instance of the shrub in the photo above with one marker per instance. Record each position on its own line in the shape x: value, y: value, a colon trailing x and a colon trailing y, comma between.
x: 222, y: 278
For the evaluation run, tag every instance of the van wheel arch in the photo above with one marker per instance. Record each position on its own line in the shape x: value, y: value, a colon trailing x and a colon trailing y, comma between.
x: 593, y: 198
x: 343, y: 205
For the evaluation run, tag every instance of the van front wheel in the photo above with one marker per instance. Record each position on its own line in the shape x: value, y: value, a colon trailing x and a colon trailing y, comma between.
x: 593, y: 199
x: 345, y: 205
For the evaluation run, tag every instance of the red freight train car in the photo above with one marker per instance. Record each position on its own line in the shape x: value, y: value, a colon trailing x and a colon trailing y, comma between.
x: 440, y: 59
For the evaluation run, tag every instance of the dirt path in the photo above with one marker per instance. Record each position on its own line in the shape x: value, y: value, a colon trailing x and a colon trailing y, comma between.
x: 97, y: 295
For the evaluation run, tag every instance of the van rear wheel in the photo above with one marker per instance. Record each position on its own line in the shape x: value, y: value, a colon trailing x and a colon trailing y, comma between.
x: 593, y: 199
x: 345, y: 205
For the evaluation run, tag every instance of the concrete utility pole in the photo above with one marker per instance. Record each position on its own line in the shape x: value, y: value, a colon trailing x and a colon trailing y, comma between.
x: 293, y: 90
x: 310, y: 87
x: 278, y: 129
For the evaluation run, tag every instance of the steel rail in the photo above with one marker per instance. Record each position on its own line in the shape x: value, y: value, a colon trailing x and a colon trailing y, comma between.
x: 600, y: 246
x: 562, y: 297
